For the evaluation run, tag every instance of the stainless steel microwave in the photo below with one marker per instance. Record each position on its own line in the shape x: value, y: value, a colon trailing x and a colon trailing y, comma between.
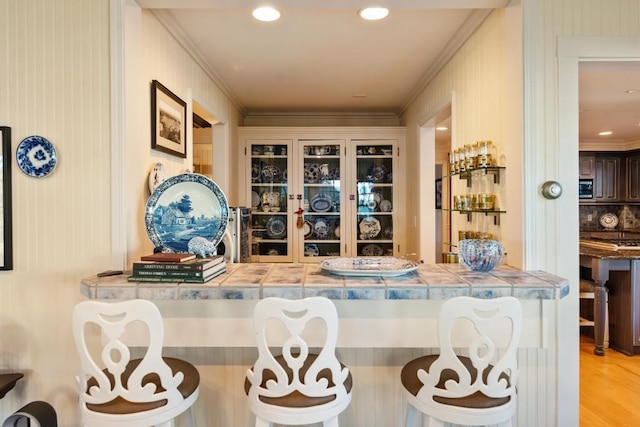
x: 585, y: 189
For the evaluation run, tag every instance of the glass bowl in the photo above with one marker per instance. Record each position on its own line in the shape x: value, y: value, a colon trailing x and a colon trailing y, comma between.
x: 480, y: 254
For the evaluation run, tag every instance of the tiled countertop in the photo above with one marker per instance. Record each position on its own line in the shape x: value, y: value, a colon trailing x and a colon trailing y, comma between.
x: 255, y: 281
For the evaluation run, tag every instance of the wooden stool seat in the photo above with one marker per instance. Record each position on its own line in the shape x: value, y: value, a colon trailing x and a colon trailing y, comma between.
x: 8, y: 381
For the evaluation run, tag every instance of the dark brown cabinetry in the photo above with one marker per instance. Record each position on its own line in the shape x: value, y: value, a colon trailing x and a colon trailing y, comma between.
x: 587, y: 166
x: 607, y: 182
x: 615, y: 175
x: 633, y: 178
x: 624, y: 309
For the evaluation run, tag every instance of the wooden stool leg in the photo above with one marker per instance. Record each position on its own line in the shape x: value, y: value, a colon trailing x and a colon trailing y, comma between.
x: 606, y: 322
x: 599, y: 313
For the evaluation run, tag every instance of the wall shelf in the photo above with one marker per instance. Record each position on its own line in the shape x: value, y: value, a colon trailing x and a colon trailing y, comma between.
x: 494, y: 170
x: 470, y: 212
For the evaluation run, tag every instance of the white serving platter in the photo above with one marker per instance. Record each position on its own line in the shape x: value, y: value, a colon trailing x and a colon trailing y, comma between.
x: 368, y: 266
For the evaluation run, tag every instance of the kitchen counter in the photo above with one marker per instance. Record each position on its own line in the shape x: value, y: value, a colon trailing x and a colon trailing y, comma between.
x: 616, y: 272
x: 609, y: 254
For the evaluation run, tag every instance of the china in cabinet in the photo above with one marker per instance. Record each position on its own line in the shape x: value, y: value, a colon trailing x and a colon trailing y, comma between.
x: 316, y: 193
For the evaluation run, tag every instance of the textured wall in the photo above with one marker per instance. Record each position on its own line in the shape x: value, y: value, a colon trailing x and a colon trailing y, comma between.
x: 54, y: 82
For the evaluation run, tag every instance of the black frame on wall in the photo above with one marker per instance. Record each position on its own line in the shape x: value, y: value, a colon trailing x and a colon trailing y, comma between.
x: 6, y: 246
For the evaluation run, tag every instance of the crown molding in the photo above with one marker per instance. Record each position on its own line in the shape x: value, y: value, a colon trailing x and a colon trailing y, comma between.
x: 609, y: 145
x: 169, y: 22
x: 470, y: 25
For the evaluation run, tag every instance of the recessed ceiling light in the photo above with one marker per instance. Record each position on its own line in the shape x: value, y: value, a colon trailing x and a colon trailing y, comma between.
x: 630, y: 91
x: 442, y: 128
x: 359, y: 95
x: 266, y: 14
x: 605, y: 133
x: 374, y: 13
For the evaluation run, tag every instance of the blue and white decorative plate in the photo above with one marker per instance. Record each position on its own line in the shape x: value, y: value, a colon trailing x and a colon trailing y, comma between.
x: 36, y: 156
x: 321, y: 228
x: 276, y: 228
x: 183, y: 207
x: 321, y: 203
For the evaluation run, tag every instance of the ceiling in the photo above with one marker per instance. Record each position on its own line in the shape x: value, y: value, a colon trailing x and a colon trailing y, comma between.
x: 605, y: 104
x: 321, y: 57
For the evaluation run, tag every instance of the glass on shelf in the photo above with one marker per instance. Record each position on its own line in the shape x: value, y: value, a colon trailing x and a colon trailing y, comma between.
x: 478, y: 202
x: 321, y: 150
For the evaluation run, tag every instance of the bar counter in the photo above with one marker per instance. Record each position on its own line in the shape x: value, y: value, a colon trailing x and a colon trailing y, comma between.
x: 255, y: 281
x: 383, y: 323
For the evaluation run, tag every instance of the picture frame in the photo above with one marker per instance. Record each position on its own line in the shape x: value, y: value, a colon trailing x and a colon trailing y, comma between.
x: 439, y: 193
x: 6, y: 245
x: 168, y: 121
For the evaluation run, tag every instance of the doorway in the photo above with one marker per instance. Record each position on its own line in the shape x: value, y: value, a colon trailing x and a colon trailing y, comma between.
x: 434, y: 222
x: 571, y: 50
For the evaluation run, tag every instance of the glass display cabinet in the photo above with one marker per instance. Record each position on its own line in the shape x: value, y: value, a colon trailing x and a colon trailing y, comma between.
x: 269, y: 166
x: 322, y: 198
x: 319, y: 193
x: 374, y: 219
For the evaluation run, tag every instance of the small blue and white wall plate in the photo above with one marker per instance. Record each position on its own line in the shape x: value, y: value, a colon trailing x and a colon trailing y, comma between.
x: 36, y: 156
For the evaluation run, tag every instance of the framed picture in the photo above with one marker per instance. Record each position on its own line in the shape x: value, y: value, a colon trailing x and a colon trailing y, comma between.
x: 168, y: 121
x: 439, y: 193
x: 6, y: 246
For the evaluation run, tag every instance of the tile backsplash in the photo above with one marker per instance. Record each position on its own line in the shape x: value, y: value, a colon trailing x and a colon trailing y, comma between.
x: 628, y: 216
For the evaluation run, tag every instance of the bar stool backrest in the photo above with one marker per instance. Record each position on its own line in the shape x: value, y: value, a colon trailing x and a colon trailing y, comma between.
x: 472, y: 381
x: 289, y: 369
x: 144, y: 391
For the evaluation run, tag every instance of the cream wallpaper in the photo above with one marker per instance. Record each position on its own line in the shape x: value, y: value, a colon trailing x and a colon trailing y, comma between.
x: 55, y: 82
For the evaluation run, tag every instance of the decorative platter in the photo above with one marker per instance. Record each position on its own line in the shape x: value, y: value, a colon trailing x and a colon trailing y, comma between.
x: 255, y: 172
x: 378, y: 172
x: 255, y: 199
x: 321, y: 228
x: 386, y: 206
x: 311, y: 249
x: 372, y: 250
x: 369, y: 228
x: 156, y: 176
x: 271, y: 173
x: 608, y: 220
x: 368, y: 266
x: 183, y: 207
x: 311, y: 173
x: 307, y: 227
x: 276, y: 228
x: 36, y: 156
x: 320, y: 203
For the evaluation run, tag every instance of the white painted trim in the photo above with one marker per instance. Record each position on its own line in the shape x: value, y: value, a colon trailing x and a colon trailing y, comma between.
x: 572, y: 49
x: 426, y: 223
x: 599, y: 47
x: 118, y: 134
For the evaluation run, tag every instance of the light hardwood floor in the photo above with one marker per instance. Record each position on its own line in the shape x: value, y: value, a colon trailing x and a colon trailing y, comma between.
x: 609, y: 388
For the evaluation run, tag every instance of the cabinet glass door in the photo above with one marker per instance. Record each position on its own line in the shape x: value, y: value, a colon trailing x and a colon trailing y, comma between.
x: 271, y: 228
x: 374, y: 199
x: 322, y: 169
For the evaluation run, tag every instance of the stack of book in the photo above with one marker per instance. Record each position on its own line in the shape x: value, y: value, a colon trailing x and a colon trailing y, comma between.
x: 171, y: 267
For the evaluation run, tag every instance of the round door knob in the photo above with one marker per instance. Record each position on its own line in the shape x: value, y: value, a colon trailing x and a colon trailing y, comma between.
x: 551, y: 189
